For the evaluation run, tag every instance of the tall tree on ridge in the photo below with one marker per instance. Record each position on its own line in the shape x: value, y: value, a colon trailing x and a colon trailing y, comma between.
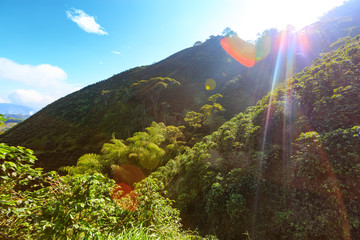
x: 153, y: 87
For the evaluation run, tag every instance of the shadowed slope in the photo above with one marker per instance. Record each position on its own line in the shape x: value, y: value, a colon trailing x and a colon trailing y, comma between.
x: 81, y: 122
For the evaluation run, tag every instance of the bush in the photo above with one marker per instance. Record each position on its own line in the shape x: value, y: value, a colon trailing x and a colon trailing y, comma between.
x: 37, y: 205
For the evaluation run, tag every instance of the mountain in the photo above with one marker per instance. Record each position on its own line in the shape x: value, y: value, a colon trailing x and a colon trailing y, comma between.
x: 286, y: 168
x: 82, y: 121
x: 9, y: 108
x: 15, y: 117
x: 11, y: 121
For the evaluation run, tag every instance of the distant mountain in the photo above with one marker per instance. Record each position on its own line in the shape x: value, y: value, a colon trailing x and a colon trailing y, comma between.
x: 82, y: 121
x: 9, y: 108
x: 11, y: 121
x: 17, y: 117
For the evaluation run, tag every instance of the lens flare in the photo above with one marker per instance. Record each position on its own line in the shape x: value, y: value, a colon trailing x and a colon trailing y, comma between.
x: 240, y: 50
x: 263, y: 47
x: 125, y: 197
x: 210, y: 84
x: 303, y: 43
x: 244, y: 52
x: 122, y: 193
x: 288, y: 46
x: 127, y: 173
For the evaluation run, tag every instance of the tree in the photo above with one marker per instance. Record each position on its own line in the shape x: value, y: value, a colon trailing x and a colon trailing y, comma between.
x: 147, y: 150
x: 198, y: 43
x: 156, y: 146
x: 88, y: 163
x: 115, y: 152
x: 105, y: 95
x: 153, y: 87
x: 194, y: 119
x: 228, y: 32
x: 148, y: 153
x: 39, y: 205
x: 2, y: 120
x: 315, y: 191
x: 208, y: 116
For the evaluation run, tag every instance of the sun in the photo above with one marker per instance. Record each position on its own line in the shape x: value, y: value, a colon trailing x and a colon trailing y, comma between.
x: 263, y: 14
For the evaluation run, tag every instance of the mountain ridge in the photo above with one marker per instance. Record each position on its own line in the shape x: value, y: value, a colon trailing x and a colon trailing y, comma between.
x: 285, y: 168
x: 82, y: 121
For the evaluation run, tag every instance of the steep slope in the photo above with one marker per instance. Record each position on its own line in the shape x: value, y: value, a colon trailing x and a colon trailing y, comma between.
x: 81, y: 122
x: 287, y: 168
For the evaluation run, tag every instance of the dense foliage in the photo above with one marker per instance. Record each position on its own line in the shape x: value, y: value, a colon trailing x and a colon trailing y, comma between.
x: 37, y: 205
x: 287, y: 168
x: 208, y: 115
x: 2, y: 120
x: 145, y: 150
x: 83, y: 121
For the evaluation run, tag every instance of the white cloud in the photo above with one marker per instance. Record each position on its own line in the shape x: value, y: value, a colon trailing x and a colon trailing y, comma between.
x: 40, y: 84
x: 43, y: 75
x: 30, y: 98
x: 116, y: 52
x: 85, y: 22
x: 3, y: 101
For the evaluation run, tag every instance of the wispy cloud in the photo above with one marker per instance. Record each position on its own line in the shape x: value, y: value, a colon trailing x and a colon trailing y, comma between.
x: 116, y: 52
x: 39, y: 84
x: 85, y: 22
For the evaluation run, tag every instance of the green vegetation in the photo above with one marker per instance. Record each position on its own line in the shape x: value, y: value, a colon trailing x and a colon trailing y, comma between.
x: 3, y: 127
x: 204, y: 122
x: 147, y: 150
x: 152, y: 88
x: 208, y: 115
x: 2, y: 120
x: 285, y: 169
x: 83, y: 121
x: 37, y: 205
x: 10, y: 120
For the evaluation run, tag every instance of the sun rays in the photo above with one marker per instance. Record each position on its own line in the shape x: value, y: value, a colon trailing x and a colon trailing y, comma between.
x: 288, y: 48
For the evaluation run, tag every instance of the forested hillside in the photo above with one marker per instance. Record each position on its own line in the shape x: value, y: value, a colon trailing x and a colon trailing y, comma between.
x: 286, y: 168
x: 198, y: 146
x: 81, y: 122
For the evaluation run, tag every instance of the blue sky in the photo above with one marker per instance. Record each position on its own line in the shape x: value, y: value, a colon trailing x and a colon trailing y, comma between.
x: 50, y: 48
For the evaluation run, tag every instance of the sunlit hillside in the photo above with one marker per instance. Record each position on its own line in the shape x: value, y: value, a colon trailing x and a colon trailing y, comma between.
x: 226, y: 139
x: 285, y: 167
x: 81, y: 122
